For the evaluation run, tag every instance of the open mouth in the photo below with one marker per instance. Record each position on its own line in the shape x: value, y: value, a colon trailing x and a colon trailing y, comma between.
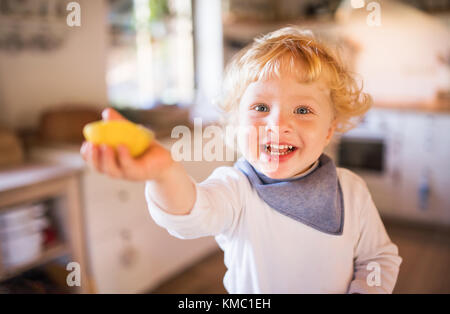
x: 278, y: 150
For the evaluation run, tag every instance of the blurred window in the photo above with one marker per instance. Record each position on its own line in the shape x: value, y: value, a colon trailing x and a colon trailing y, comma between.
x: 151, y: 56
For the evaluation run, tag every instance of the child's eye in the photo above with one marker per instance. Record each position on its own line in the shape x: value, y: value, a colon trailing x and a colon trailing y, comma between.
x: 302, y: 110
x: 261, y: 108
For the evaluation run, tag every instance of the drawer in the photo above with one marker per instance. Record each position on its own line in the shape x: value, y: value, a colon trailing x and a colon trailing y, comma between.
x: 136, y: 259
x: 111, y: 204
x: 120, y: 264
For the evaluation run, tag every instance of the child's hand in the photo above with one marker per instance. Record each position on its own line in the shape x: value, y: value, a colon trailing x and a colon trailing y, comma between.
x: 151, y: 165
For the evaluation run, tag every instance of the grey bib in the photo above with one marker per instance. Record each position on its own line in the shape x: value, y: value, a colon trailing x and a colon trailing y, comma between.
x: 314, y: 199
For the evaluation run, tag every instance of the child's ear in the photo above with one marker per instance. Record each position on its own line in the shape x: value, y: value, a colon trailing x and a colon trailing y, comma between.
x: 331, y: 131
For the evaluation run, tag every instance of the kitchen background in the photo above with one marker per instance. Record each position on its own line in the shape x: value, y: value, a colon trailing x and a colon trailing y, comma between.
x: 161, y: 62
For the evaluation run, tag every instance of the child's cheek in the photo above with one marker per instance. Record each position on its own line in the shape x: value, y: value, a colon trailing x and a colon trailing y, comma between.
x: 248, y: 142
x: 251, y: 128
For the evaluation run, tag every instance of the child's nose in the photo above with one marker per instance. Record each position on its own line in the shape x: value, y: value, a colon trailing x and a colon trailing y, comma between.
x: 281, y: 123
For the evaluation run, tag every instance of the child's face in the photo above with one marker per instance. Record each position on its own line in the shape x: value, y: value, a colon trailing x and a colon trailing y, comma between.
x: 289, y: 113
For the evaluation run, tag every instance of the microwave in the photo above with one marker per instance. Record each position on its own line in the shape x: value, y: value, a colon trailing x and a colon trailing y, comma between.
x: 362, y: 154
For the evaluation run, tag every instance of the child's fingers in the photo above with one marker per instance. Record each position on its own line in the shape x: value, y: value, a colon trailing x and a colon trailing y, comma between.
x: 89, y: 154
x: 108, y: 162
x: 125, y: 160
x: 94, y: 156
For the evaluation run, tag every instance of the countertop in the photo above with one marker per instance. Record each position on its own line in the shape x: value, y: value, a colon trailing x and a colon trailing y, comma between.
x: 33, y: 172
x: 426, y: 107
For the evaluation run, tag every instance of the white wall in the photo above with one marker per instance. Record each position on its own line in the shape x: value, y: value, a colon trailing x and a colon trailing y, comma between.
x: 32, y: 81
x: 399, y: 59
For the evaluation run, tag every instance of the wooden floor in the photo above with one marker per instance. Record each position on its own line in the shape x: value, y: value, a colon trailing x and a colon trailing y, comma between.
x: 425, y: 268
x: 426, y: 258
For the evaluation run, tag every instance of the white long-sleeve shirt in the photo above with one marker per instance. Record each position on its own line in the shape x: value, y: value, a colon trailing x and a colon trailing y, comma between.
x: 268, y: 252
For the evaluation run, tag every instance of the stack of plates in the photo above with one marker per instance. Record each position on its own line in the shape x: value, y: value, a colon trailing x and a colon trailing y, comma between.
x: 21, y: 235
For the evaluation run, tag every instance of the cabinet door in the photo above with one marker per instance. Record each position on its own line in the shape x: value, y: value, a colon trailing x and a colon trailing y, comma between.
x: 439, y: 167
x: 425, y: 168
x: 120, y: 264
x: 412, y: 162
x: 137, y: 258
x: 109, y: 203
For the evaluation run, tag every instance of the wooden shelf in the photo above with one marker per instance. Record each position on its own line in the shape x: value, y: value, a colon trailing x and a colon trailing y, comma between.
x: 49, y: 254
x: 35, y: 182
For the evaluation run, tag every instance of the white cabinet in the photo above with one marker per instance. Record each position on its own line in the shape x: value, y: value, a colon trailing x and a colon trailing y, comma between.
x: 111, y: 204
x: 138, y: 257
x: 425, y: 168
x: 128, y: 252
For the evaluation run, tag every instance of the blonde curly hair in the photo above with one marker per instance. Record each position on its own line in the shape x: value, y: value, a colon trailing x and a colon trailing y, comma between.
x: 288, y: 48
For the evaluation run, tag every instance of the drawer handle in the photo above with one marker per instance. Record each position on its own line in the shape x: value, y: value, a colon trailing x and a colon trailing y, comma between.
x: 123, y: 195
x: 128, y: 256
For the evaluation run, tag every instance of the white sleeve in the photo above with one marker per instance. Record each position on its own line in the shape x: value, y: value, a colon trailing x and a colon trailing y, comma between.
x: 377, y: 262
x: 216, y: 210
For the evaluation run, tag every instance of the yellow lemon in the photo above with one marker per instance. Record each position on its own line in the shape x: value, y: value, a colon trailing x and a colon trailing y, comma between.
x: 119, y: 132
